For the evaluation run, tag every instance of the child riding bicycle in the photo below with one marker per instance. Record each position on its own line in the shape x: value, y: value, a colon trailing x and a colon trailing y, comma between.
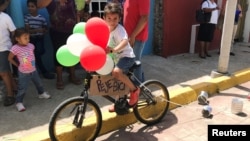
x: 119, y: 46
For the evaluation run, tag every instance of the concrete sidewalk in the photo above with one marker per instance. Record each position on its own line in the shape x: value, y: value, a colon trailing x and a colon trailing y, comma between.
x: 186, y: 123
x: 185, y: 76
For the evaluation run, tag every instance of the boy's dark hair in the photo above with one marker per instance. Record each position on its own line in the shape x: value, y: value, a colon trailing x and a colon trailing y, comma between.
x: 32, y: 1
x: 113, y: 8
x: 2, y: 2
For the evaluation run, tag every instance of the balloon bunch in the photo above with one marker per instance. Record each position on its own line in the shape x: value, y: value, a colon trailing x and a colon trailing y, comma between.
x: 87, y: 45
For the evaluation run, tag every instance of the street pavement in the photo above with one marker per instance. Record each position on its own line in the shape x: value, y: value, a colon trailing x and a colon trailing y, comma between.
x: 180, y: 124
x: 187, y: 123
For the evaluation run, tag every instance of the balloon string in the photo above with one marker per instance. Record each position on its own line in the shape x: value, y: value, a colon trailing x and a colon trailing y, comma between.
x: 193, y: 107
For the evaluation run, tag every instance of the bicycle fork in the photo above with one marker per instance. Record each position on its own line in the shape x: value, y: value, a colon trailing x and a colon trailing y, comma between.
x: 80, y: 113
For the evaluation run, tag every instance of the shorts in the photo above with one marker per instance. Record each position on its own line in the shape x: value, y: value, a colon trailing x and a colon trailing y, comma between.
x: 4, y: 63
x: 125, y: 63
x: 206, y: 32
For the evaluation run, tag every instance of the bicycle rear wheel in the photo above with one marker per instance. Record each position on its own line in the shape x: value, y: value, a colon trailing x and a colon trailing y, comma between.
x: 66, y: 124
x: 153, y: 102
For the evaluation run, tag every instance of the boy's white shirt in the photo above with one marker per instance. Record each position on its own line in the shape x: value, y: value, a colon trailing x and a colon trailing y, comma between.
x: 6, y: 26
x: 116, y: 36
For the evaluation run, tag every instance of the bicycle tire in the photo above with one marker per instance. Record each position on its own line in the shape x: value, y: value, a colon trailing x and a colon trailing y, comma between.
x: 147, y: 111
x: 61, y: 121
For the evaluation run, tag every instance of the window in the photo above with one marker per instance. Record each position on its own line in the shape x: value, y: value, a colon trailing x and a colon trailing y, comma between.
x: 97, y: 6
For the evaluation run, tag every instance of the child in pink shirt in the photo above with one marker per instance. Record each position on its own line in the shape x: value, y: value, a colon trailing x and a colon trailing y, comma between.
x: 24, y: 51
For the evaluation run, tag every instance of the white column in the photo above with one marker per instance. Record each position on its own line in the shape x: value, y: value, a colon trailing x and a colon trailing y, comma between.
x: 226, y: 37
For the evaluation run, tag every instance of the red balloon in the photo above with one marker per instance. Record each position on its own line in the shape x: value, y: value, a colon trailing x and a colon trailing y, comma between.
x: 97, y: 31
x: 92, y: 58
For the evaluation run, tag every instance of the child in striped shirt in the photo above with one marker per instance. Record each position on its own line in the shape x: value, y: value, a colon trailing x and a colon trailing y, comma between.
x: 37, y: 26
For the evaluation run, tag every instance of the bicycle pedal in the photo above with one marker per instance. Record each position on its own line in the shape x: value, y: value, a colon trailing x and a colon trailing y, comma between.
x: 121, y: 106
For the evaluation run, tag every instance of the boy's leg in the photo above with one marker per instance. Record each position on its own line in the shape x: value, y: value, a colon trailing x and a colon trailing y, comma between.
x: 123, y: 65
x: 9, y: 99
x: 5, y: 74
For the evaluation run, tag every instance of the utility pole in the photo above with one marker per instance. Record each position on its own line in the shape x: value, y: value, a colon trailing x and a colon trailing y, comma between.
x: 226, y: 39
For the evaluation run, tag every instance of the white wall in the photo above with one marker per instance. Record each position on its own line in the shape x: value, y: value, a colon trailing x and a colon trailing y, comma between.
x: 247, y: 26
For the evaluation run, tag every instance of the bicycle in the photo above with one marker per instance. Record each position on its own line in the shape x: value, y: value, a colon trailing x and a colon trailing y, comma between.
x: 82, y: 114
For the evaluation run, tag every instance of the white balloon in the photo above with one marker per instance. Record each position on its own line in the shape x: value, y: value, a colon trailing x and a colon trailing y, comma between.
x: 77, y: 42
x: 107, y: 67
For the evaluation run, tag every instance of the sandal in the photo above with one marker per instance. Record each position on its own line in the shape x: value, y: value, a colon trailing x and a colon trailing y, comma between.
x: 59, y: 85
x: 75, y: 81
x: 9, y: 101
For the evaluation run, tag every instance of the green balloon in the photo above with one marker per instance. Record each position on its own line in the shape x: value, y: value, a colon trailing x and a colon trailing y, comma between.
x: 65, y: 58
x: 79, y: 28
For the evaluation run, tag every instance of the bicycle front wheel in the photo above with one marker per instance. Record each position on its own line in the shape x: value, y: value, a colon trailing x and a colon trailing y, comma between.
x: 153, y: 102
x: 69, y: 121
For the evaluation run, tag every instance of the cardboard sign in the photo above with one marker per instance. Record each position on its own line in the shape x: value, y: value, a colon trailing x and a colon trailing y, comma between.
x: 107, y: 85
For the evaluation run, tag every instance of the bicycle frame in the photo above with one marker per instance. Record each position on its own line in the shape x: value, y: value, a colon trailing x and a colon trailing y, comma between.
x: 131, y: 76
x: 81, y: 105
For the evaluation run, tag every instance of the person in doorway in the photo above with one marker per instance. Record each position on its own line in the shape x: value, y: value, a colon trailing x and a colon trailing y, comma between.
x: 206, y: 30
x: 135, y: 21
x: 123, y: 53
x: 7, y: 29
x: 24, y: 51
x: 63, y: 17
x: 238, y: 15
x: 37, y: 26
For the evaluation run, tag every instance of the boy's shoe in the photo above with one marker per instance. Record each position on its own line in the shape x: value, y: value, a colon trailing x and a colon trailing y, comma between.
x: 9, y: 101
x: 134, y: 97
x: 20, y: 107
x: 44, y: 95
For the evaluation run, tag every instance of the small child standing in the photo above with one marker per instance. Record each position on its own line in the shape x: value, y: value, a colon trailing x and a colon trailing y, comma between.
x: 123, y: 53
x: 24, y: 51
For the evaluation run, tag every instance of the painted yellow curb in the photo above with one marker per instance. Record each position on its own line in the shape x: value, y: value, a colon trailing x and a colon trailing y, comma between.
x: 178, y: 97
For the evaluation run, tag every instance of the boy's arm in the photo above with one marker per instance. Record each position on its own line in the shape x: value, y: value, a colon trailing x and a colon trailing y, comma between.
x: 33, y: 31
x: 12, y: 37
x: 140, y: 25
x: 120, y: 46
x: 11, y: 59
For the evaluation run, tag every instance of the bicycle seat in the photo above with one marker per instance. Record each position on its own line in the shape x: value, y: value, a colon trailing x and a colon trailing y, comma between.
x: 136, y: 64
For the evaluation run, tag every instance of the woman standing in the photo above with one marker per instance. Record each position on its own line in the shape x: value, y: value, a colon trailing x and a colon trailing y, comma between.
x: 206, y: 30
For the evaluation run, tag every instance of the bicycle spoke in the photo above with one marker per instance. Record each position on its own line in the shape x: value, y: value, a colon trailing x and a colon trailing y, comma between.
x: 151, y: 108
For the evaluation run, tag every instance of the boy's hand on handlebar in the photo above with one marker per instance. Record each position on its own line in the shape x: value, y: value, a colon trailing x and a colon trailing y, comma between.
x: 109, y: 50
